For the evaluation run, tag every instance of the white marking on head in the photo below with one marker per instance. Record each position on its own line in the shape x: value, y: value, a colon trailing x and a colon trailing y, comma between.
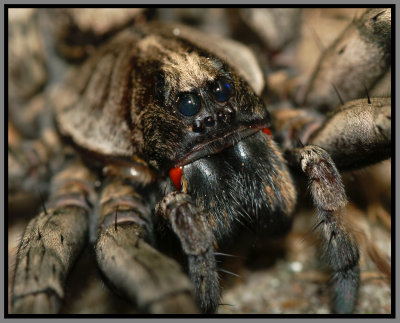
x: 188, y: 69
x: 184, y: 71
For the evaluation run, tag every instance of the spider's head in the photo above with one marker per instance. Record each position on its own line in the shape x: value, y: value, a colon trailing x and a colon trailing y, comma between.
x: 197, y: 106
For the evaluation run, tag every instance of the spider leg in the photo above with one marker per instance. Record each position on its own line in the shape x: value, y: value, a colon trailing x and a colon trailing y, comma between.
x: 197, y: 242
x: 355, y: 135
x: 150, y: 279
x: 294, y: 126
x: 340, y: 247
x: 31, y: 162
x: 358, y: 134
x: 359, y: 57
x: 52, y: 241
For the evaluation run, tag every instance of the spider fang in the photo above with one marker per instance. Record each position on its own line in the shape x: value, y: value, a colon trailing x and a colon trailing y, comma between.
x: 267, y: 131
x: 176, y: 174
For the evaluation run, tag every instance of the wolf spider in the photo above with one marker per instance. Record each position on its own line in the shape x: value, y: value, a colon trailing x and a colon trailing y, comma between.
x: 161, y: 139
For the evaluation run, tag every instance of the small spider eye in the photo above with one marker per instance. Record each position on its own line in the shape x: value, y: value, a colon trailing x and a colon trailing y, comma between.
x: 189, y: 104
x: 222, y: 90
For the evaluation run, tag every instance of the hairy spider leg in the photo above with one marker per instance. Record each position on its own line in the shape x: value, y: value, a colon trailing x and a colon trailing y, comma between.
x: 357, y: 134
x: 52, y: 241
x: 340, y: 247
x: 197, y: 240
x: 128, y: 261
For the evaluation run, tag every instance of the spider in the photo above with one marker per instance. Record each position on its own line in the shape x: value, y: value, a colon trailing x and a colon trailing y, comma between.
x: 162, y: 147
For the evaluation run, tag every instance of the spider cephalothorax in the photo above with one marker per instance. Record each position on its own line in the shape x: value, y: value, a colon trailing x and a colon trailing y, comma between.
x: 199, y: 105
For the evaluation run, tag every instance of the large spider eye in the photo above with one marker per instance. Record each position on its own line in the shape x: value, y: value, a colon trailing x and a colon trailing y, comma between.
x: 222, y: 90
x: 189, y: 104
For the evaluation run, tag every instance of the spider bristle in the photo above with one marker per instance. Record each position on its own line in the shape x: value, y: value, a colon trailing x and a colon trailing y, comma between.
x: 115, y: 218
x: 299, y: 142
x: 42, y: 202
x: 315, y: 227
x: 338, y: 94
x: 368, y: 97
x: 333, y: 235
x: 226, y: 304
x: 228, y: 272
x: 223, y: 254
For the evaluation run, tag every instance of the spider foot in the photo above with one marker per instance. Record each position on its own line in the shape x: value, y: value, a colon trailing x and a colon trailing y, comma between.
x: 340, y: 247
x: 197, y: 240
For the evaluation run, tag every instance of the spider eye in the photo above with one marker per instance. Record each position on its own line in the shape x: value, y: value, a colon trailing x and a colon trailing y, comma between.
x: 189, y: 104
x: 222, y: 90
